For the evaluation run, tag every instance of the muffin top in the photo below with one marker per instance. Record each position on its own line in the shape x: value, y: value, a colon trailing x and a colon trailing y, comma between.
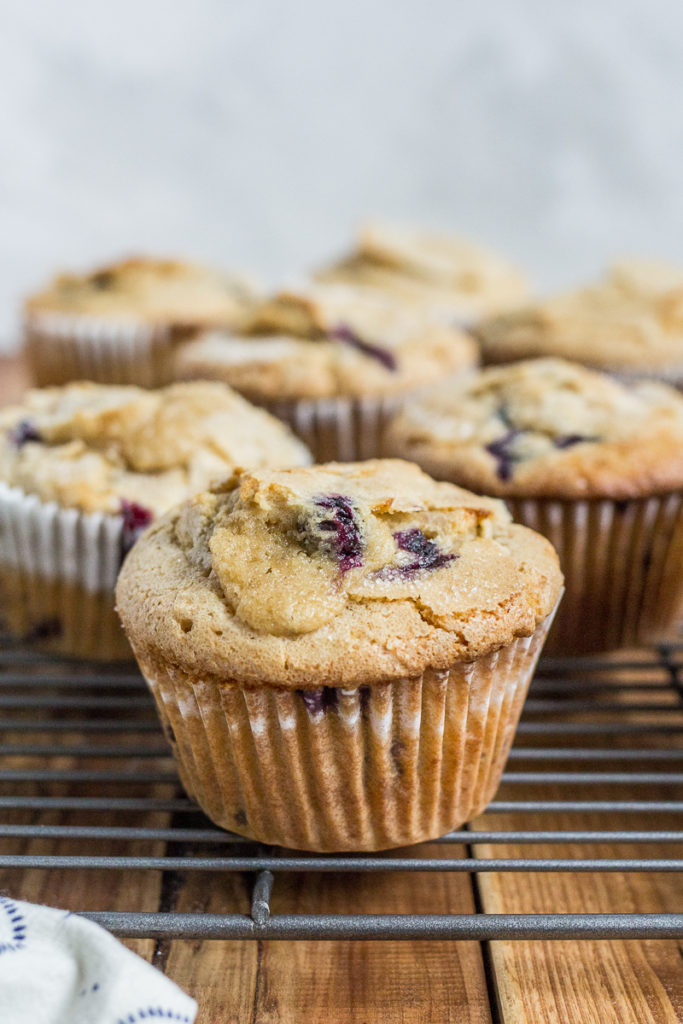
x: 156, y: 291
x: 546, y: 428
x: 337, y: 574
x: 449, y: 274
x: 104, y: 448
x: 329, y: 340
x: 631, y: 321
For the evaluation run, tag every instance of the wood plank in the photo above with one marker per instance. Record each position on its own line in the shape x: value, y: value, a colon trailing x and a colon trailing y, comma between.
x: 335, y: 982
x: 371, y: 982
x: 93, y: 889
x: 220, y: 975
x: 570, y: 982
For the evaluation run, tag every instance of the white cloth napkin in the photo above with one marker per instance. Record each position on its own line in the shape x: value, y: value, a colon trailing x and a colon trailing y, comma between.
x: 58, y: 968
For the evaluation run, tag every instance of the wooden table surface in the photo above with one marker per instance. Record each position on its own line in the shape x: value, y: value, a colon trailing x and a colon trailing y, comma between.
x: 529, y: 982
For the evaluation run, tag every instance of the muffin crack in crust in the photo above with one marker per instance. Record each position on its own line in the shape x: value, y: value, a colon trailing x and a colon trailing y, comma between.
x: 334, y: 567
x: 546, y: 427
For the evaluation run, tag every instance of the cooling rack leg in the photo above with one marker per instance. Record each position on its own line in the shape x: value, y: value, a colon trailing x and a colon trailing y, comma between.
x: 260, y: 897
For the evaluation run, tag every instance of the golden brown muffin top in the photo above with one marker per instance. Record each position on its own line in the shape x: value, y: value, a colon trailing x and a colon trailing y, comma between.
x: 334, y: 574
x: 630, y: 322
x: 452, y: 275
x: 94, y: 446
x: 323, y: 341
x: 546, y: 428
x: 155, y: 291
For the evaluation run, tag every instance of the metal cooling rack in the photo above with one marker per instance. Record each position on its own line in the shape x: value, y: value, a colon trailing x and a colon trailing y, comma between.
x: 578, y: 731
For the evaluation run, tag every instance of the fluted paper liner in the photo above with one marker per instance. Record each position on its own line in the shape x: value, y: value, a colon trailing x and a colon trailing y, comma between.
x: 338, y: 429
x: 62, y: 347
x: 58, y: 569
x: 348, y: 769
x: 623, y: 568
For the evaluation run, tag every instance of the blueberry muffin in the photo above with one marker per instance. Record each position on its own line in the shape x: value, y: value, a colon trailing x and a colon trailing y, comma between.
x: 331, y: 361
x: 84, y: 469
x: 456, y: 279
x: 630, y: 324
x: 119, y: 324
x: 339, y: 654
x: 591, y: 462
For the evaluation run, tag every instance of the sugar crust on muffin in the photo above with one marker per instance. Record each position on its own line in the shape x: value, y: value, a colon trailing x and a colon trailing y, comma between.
x: 333, y: 575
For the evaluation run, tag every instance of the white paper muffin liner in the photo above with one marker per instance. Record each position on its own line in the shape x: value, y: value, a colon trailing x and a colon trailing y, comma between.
x: 347, y: 769
x: 63, y: 347
x: 58, y: 569
x: 623, y: 568
x: 338, y: 429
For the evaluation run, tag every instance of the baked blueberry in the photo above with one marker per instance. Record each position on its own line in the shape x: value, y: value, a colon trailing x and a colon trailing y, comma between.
x: 319, y: 701
x: 136, y: 518
x: 503, y: 452
x: 334, y: 530
x: 24, y: 431
x: 345, y: 334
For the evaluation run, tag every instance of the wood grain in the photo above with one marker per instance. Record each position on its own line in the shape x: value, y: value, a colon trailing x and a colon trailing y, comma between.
x: 335, y: 982
x: 372, y: 982
x: 221, y: 976
x: 93, y: 889
x: 586, y: 982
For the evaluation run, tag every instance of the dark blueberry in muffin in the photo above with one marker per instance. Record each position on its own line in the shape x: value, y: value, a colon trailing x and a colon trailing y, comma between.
x: 345, y: 334
x: 569, y: 440
x: 426, y: 552
x: 319, y: 701
x: 136, y: 518
x: 502, y: 450
x: 24, y: 431
x: 335, y: 532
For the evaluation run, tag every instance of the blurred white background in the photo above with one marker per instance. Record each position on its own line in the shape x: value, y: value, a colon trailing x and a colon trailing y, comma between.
x: 257, y: 133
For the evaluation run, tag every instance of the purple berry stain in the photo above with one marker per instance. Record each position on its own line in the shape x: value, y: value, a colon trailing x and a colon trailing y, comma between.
x: 319, y: 701
x: 569, y: 440
x: 342, y: 332
x: 502, y: 451
x: 347, y: 545
x: 136, y: 518
x: 426, y: 552
x: 24, y: 431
